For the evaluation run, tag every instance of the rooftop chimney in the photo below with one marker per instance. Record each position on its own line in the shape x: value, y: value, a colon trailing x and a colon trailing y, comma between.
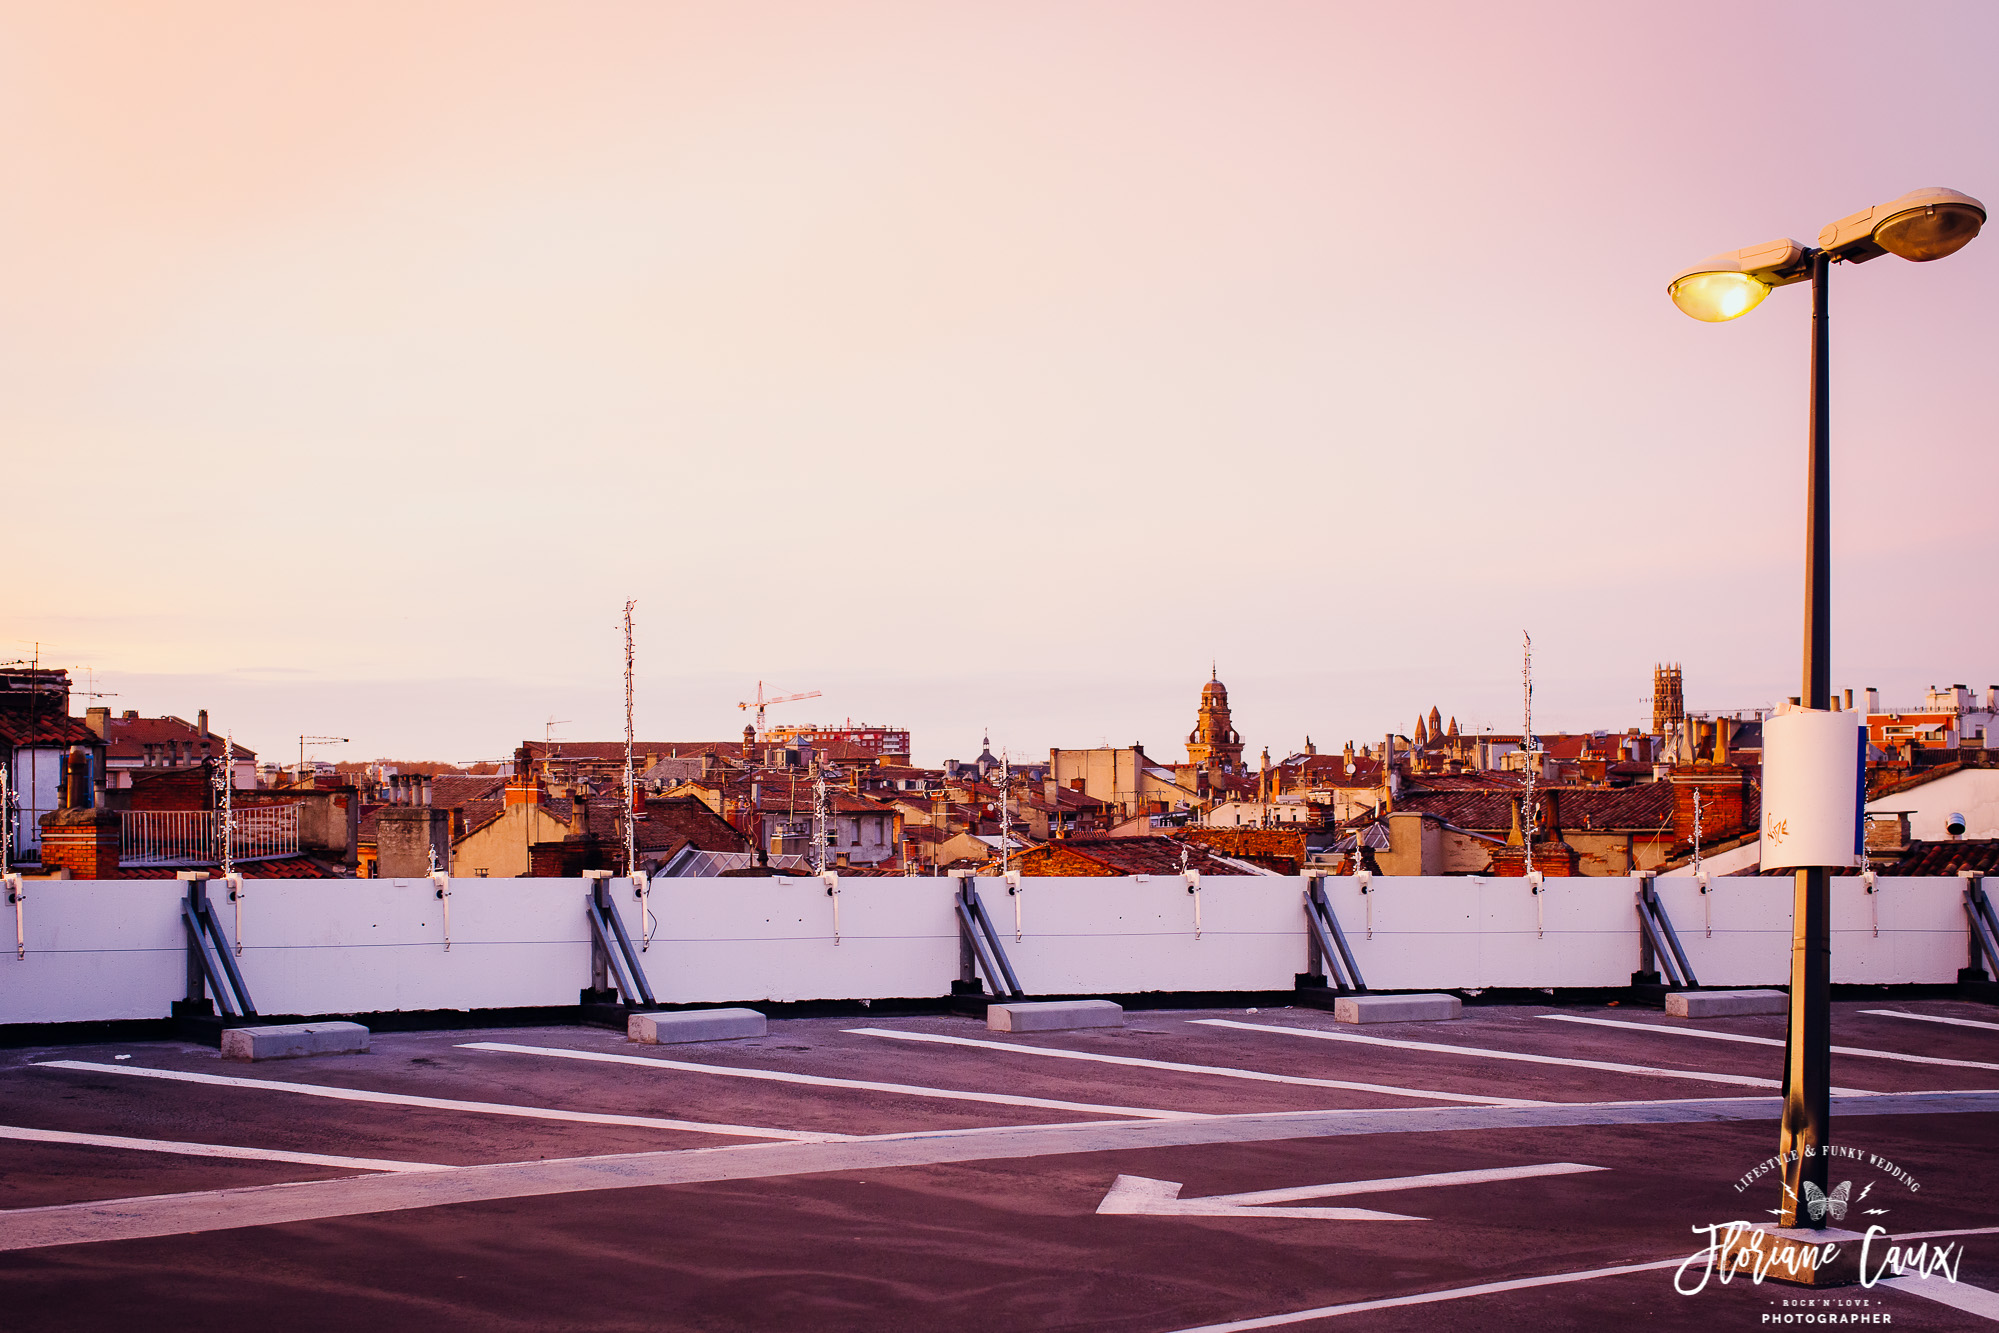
x: 201, y: 723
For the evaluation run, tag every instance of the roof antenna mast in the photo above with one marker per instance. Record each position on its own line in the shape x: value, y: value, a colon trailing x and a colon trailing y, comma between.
x: 1530, y: 757
x: 631, y: 797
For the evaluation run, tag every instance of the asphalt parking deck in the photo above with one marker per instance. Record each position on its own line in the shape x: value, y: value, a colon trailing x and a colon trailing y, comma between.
x: 1526, y: 1166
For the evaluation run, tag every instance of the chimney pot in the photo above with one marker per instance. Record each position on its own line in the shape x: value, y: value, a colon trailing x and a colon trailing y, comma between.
x: 201, y: 723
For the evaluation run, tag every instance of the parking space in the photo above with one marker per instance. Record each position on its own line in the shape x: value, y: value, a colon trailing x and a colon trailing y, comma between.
x: 1541, y: 1166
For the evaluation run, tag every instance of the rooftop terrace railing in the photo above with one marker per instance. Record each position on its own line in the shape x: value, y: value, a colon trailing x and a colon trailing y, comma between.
x: 194, y: 837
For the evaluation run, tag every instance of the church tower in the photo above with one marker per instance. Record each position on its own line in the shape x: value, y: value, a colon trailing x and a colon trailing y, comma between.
x: 1213, y: 742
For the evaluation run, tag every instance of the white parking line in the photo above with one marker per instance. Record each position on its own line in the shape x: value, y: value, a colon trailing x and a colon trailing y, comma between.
x: 1769, y: 1041
x: 1429, y: 1297
x: 1973, y: 1300
x: 1483, y: 1053
x: 822, y: 1081
x: 1933, y: 1018
x: 441, y: 1103
x: 1957, y: 1295
x: 1223, y: 1071
x: 27, y: 1135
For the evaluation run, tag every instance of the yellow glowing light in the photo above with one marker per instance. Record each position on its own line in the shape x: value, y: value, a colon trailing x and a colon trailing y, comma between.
x: 1714, y: 297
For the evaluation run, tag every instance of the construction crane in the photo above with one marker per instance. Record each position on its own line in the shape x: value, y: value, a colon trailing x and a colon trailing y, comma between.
x: 760, y: 703
x: 304, y: 741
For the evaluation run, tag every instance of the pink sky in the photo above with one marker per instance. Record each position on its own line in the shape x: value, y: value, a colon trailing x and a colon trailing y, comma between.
x: 980, y: 365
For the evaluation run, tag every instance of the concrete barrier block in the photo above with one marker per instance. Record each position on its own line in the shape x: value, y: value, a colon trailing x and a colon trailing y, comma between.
x: 1054, y: 1015
x: 1396, y: 1008
x: 1726, y: 1003
x: 289, y: 1041
x: 695, y: 1025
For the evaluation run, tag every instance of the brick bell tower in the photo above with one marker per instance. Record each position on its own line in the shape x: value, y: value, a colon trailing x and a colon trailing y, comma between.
x: 1213, y: 743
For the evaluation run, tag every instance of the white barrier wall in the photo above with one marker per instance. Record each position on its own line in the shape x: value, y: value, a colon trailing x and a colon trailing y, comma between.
x: 1909, y: 931
x: 773, y: 939
x: 114, y: 949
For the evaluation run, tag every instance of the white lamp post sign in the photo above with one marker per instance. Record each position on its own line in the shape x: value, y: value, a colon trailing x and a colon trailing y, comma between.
x: 1813, y: 762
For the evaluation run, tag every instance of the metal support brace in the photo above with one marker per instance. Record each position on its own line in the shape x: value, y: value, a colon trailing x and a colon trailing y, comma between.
x: 1013, y: 891
x: 611, y: 948
x: 1325, y: 940
x: 1984, y: 925
x: 1538, y: 888
x: 1659, y: 938
x: 831, y: 879
x: 1365, y: 880
x: 209, y: 960
x: 976, y: 928
x: 1193, y: 878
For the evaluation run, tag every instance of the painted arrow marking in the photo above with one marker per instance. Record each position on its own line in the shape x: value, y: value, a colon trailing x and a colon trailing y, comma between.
x: 1138, y: 1195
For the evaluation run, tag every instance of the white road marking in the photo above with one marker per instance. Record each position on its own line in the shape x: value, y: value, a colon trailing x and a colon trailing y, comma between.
x: 823, y: 1081
x: 304, y: 1201
x: 1429, y: 1297
x: 1481, y: 1053
x: 1586, y: 1275
x: 26, y: 1135
x: 1932, y: 1018
x: 1223, y: 1071
x: 1769, y: 1041
x: 441, y: 1103
x: 1138, y: 1195
x: 1958, y: 1295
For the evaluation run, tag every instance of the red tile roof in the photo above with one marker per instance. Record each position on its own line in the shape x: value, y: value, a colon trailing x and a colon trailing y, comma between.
x: 1649, y: 807
x: 1942, y: 858
x: 1148, y: 855
x: 128, y: 737
x: 19, y: 728
x: 290, y: 867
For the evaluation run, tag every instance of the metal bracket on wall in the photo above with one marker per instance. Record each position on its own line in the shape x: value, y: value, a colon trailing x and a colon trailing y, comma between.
x: 1193, y: 878
x: 831, y: 879
x: 17, y: 894
x: 442, y: 883
x: 234, y: 882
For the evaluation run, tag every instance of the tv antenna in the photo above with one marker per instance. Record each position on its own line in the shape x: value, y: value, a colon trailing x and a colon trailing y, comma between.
x: 304, y: 741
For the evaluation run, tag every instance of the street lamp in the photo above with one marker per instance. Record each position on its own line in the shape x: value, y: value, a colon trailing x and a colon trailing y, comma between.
x: 1921, y: 225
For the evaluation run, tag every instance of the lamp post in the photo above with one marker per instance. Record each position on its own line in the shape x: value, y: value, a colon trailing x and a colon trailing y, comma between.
x: 1921, y: 225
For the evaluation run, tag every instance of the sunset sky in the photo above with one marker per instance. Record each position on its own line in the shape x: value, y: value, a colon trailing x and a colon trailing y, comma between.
x: 976, y: 364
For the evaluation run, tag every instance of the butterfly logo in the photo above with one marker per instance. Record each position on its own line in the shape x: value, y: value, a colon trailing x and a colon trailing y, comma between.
x: 1818, y: 1203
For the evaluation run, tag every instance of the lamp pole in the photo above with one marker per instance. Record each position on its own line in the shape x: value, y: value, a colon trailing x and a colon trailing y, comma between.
x: 1807, y: 1123
x: 1920, y: 226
